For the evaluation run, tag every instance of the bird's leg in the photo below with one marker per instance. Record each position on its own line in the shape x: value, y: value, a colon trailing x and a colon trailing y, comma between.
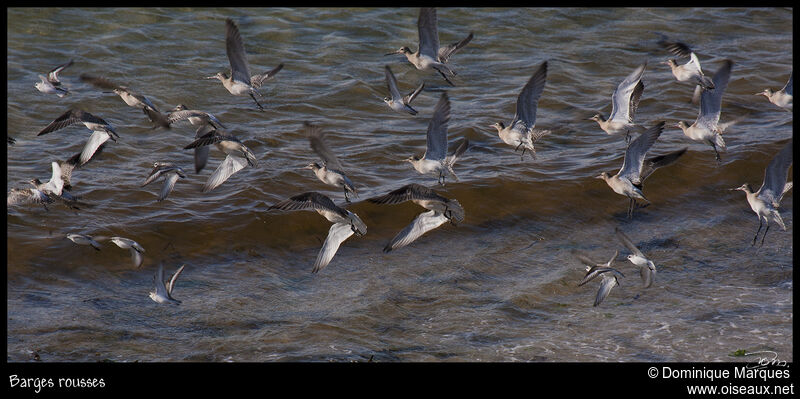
x: 631, y: 205
x: 254, y: 99
x: 533, y: 153
x: 517, y: 149
x: 522, y: 157
x: 345, y: 195
x: 716, y: 153
x: 765, y: 235
x: 760, y: 222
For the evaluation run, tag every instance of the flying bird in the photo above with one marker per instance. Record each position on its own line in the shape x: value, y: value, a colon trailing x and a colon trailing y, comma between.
x: 707, y: 129
x: 429, y: 55
x: 101, y: 130
x: 130, y: 97
x: 345, y: 223
x: 331, y: 171
x: 628, y: 181
x: 135, y: 248
x: 647, y: 269
x: 241, y: 82
x: 164, y: 288
x: 624, y: 102
x: 171, y: 175
x: 607, y: 273
x: 520, y: 132
x: 435, y: 160
x: 234, y: 150
x: 766, y: 201
x: 50, y: 83
x: 782, y: 98
x: 440, y: 210
x: 397, y: 101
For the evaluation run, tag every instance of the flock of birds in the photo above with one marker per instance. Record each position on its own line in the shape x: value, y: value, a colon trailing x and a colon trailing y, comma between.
x: 520, y: 133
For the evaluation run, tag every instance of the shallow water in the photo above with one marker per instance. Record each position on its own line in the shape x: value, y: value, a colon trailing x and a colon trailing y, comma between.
x: 502, y: 286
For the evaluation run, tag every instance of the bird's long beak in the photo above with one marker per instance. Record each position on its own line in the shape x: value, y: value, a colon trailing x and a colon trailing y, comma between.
x: 664, y: 62
x: 108, y: 92
x: 392, y: 53
x: 760, y: 94
x: 210, y: 77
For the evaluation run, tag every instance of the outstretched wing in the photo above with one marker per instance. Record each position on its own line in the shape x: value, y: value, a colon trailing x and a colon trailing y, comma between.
x: 528, y: 99
x: 336, y: 236
x: 447, y: 51
x: 316, y: 136
x: 428, y: 33
x: 634, y: 155
x: 424, y: 223
x: 228, y: 167
x: 437, y: 130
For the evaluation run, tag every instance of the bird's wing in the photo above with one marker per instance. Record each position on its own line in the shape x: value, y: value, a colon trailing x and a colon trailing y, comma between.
x: 634, y: 155
x: 52, y: 76
x: 64, y: 120
x: 423, y: 223
x: 651, y: 164
x: 391, y: 82
x: 209, y: 138
x: 97, y: 138
x: 528, y: 99
x: 158, y: 279
x: 228, y: 167
x: 155, y: 174
x: 447, y: 51
x: 258, y: 80
x: 234, y: 47
x: 775, y: 175
x: 621, y: 98
x: 412, y: 95
x: 711, y: 100
x: 437, y: 130
x: 136, y: 256
x: 336, y: 236
x: 788, y: 88
x: 171, y: 284
x: 677, y: 48
x: 428, y: 34
x: 99, y: 82
x: 647, y: 275
x: 316, y: 136
x: 407, y: 193
x: 56, y: 183
x: 626, y: 241
x: 309, y: 200
x: 169, y: 184
x: 606, y: 285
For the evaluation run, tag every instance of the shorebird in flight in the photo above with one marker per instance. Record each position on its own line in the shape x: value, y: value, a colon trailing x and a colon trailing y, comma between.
x: 707, y: 129
x: 647, y: 269
x: 331, y: 171
x: 435, y: 160
x: 440, y: 210
x: 429, y: 55
x: 130, y: 97
x: 520, y: 132
x: 635, y: 169
x: 624, y: 102
x: 766, y: 201
x: 101, y: 130
x: 397, y: 101
x: 50, y: 83
x: 164, y: 288
x: 135, y: 248
x: 234, y: 150
x: 241, y: 82
x: 607, y: 273
x: 171, y: 175
x: 782, y: 98
x: 345, y: 223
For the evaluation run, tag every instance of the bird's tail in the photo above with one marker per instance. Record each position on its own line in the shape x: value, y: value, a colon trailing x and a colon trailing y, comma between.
x: 251, y: 158
x: 720, y: 142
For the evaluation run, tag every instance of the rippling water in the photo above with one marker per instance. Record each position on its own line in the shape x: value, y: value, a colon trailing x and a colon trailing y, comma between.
x: 502, y: 286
